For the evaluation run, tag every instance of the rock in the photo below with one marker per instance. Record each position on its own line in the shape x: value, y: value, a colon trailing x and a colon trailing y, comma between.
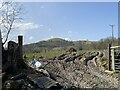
x: 19, y: 76
x: 13, y: 84
x: 89, y: 57
x: 61, y: 57
x: 69, y: 59
x: 71, y: 50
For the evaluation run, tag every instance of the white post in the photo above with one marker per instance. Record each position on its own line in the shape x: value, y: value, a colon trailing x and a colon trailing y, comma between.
x: 113, y: 60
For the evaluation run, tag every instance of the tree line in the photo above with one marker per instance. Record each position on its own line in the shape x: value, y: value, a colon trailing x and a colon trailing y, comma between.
x: 61, y: 44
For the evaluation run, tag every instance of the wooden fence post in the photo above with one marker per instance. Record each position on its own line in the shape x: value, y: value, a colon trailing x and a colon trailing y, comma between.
x: 20, y: 44
x: 109, y: 57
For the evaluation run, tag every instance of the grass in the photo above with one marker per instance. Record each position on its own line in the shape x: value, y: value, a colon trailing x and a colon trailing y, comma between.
x: 116, y: 74
x: 49, y: 54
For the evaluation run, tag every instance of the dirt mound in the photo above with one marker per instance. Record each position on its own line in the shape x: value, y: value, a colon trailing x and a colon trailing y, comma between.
x: 81, y: 75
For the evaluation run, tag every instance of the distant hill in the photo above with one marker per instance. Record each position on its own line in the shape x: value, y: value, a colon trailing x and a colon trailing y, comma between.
x: 56, y: 39
x: 48, y: 45
x: 61, y: 44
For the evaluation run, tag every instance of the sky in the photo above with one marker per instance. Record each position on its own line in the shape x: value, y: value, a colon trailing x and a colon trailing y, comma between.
x: 68, y: 20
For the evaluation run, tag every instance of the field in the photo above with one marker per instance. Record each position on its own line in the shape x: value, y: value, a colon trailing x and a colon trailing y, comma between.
x: 72, y: 69
x: 52, y: 54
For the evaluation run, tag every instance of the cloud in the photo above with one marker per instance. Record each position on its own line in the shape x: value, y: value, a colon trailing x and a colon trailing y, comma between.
x: 67, y: 39
x: 31, y: 37
x: 47, y: 38
x: 41, y: 25
x: 26, y: 26
x: 20, y: 29
x: 22, y: 25
x: 71, y: 33
x: 51, y: 36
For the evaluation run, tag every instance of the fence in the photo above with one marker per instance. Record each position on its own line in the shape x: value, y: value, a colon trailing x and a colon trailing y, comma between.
x: 114, y: 58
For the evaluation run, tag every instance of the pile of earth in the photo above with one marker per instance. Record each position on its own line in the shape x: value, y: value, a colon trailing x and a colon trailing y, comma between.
x: 81, y: 71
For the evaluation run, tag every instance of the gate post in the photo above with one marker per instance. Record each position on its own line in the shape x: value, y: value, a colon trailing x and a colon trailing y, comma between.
x: 109, y: 57
x: 20, y: 44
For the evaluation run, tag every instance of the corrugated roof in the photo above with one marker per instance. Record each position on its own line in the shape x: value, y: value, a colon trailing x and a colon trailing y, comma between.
x: 42, y: 81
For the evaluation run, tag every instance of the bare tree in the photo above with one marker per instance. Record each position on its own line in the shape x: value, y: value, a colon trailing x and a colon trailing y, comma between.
x: 9, y: 15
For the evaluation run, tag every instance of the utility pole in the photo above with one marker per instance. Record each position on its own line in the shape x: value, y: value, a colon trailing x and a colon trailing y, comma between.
x: 112, y: 33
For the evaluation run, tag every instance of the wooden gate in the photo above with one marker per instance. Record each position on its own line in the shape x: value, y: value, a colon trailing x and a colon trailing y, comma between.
x: 115, y: 58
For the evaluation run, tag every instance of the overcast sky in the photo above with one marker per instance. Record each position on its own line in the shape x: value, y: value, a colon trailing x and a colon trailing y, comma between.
x: 67, y: 20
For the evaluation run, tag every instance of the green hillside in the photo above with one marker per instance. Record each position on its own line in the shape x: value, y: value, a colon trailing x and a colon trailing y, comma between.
x: 51, y: 44
x: 58, y: 44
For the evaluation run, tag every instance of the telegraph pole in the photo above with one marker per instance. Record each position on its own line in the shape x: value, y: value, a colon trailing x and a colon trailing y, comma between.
x: 112, y: 26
